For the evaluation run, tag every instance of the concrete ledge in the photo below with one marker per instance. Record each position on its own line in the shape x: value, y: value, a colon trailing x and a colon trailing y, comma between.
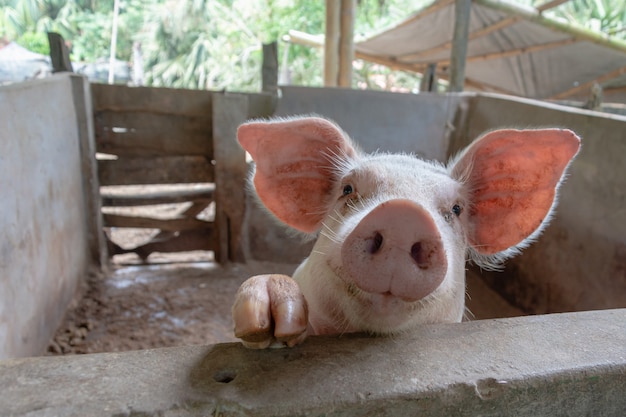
x: 563, y: 364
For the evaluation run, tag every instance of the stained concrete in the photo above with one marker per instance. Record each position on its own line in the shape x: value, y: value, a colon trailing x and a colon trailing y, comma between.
x: 44, y: 238
x: 552, y: 365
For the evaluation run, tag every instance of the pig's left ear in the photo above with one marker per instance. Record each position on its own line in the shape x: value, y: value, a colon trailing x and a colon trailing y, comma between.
x: 294, y: 166
x: 512, y: 178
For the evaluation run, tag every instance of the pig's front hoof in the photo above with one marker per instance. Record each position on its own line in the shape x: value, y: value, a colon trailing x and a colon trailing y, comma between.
x: 270, y: 311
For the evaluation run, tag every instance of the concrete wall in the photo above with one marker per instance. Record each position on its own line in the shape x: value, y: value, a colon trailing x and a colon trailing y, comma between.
x: 579, y: 263
x: 44, y: 248
x: 544, y: 366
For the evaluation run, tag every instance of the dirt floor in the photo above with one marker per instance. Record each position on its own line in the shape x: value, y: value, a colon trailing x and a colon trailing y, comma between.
x: 156, y: 305
x: 184, y: 303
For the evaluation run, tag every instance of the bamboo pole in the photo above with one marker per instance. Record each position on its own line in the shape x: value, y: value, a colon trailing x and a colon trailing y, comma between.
x: 346, y: 43
x: 458, y: 53
x: 331, y: 44
x: 514, y: 52
x: 550, y: 5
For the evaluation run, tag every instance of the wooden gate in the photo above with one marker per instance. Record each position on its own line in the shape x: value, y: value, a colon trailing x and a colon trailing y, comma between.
x: 158, y: 146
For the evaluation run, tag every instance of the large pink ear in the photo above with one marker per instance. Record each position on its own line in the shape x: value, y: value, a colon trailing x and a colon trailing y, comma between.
x: 294, y: 174
x: 512, y: 177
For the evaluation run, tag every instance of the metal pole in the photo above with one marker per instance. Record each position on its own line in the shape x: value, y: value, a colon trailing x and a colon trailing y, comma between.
x: 116, y: 12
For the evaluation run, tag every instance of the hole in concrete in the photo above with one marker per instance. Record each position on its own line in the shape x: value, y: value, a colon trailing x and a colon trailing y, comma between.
x: 225, y: 376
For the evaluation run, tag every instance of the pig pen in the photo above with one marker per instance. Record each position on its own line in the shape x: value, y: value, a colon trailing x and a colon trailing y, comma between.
x: 529, y: 365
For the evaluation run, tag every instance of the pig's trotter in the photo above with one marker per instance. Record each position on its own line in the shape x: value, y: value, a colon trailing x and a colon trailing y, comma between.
x: 270, y: 310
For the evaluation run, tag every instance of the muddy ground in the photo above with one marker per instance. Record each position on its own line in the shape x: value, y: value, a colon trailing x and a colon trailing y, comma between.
x: 155, y: 305
x: 183, y: 303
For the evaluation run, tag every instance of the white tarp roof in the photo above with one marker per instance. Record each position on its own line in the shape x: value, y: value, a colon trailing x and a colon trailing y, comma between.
x: 511, y: 49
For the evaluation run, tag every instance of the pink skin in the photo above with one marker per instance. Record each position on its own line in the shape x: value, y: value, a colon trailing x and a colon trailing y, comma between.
x: 393, y: 231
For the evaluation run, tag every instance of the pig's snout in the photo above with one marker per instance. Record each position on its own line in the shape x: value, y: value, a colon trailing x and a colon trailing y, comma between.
x: 396, y: 250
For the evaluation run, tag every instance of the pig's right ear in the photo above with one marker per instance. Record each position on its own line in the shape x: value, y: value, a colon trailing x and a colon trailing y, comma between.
x: 294, y: 166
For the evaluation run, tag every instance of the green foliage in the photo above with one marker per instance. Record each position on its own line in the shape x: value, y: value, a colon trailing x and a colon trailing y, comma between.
x: 216, y: 44
x: 35, y: 41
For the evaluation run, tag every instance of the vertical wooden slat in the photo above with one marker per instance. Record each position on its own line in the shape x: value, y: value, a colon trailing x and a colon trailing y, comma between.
x: 269, y: 71
x: 59, y: 54
x: 91, y: 187
x: 229, y: 111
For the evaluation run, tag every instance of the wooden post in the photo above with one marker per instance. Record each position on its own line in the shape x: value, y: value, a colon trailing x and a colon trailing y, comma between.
x: 59, y: 54
x: 429, y: 79
x: 269, y: 71
x: 346, y: 43
x: 458, y: 53
x: 331, y: 43
x: 231, y: 170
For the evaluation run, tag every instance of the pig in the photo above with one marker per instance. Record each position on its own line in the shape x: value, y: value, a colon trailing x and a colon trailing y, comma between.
x: 393, y: 231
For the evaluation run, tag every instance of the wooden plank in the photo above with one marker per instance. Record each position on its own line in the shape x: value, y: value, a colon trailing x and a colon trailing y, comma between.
x: 171, y: 225
x: 140, y: 133
x: 269, y: 68
x: 153, y: 121
x: 231, y: 170
x: 59, y: 54
x: 514, y: 52
x: 167, y: 101
x: 202, y: 194
x: 589, y: 84
x: 187, y: 240
x: 159, y: 170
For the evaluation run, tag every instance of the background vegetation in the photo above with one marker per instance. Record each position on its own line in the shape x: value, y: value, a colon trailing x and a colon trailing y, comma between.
x: 215, y: 44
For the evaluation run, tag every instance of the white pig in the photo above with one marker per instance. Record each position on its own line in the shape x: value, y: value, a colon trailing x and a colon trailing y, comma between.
x: 394, y: 231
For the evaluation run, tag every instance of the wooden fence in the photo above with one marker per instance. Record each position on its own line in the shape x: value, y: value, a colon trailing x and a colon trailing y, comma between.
x: 159, y: 136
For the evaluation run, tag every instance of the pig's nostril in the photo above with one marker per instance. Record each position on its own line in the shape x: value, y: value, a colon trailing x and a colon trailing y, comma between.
x: 374, y: 243
x: 418, y: 255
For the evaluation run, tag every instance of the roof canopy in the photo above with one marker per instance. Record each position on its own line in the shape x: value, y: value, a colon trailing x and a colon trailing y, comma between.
x: 511, y: 50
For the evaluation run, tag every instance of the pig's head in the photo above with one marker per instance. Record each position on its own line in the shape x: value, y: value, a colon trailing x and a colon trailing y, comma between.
x: 394, y: 230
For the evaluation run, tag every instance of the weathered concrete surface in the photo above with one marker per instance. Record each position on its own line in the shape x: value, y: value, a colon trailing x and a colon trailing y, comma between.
x: 390, y: 122
x: 579, y: 263
x: 44, y: 248
x: 554, y: 365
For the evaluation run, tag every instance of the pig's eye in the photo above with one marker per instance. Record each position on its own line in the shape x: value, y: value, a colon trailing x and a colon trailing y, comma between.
x: 457, y: 210
x: 347, y: 190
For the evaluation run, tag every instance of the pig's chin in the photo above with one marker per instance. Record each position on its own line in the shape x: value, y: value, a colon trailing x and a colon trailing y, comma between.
x: 384, y: 313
